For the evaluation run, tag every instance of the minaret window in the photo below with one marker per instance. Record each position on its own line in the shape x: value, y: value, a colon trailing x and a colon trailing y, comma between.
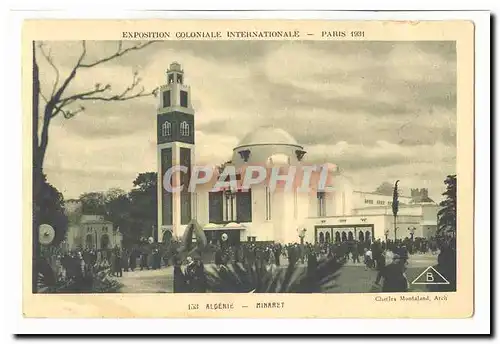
x: 184, y: 128
x: 229, y: 206
x: 268, y: 203
x: 321, y: 204
x: 170, y: 78
x: 184, y: 99
x: 215, y: 207
x: 179, y: 79
x: 244, y: 206
x: 166, y: 99
x: 166, y: 129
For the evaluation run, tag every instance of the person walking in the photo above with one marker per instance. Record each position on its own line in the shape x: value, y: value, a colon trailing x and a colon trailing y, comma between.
x: 200, y: 283
x: 118, y: 262
x: 144, y: 260
x: 277, y: 254
x: 393, y: 276
x: 179, y: 278
x: 355, y: 253
x: 368, y: 259
x: 189, y: 274
x: 125, y: 259
x: 132, y: 260
x: 272, y: 262
x: 218, y: 258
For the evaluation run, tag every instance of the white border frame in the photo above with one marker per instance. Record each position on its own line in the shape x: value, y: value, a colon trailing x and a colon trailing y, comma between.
x: 11, y: 138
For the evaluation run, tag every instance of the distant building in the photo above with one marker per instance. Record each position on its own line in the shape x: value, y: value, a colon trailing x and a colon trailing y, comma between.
x: 89, y: 231
x: 420, y: 196
x: 259, y: 214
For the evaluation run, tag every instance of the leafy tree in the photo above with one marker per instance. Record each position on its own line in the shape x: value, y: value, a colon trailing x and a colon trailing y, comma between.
x: 144, y: 202
x: 113, y: 194
x: 62, y: 102
x: 118, y: 205
x: 51, y: 210
x: 93, y: 203
x: 385, y: 188
x: 146, y: 181
x: 446, y: 236
x: 447, y: 215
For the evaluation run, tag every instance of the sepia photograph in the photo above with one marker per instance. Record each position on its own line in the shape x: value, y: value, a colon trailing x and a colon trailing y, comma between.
x: 281, y: 166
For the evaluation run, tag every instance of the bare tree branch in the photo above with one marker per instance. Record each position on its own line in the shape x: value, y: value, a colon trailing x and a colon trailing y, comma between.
x: 43, y: 96
x: 57, y: 96
x: 49, y: 59
x: 98, y: 89
x: 56, y: 103
x: 119, y: 52
x: 60, y: 108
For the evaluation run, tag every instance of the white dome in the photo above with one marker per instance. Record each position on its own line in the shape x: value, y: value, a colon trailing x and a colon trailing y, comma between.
x: 269, y: 136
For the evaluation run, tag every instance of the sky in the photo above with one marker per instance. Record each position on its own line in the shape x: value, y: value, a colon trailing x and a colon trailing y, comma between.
x: 381, y: 111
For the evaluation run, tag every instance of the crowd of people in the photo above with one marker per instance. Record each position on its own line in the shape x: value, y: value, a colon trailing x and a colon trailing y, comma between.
x: 83, y: 262
x: 355, y: 251
x: 389, y: 259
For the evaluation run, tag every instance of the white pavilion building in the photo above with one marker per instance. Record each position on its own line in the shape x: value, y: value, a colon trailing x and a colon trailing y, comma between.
x: 261, y: 214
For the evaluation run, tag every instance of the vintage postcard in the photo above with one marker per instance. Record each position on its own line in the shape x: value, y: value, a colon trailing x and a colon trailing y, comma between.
x: 248, y: 168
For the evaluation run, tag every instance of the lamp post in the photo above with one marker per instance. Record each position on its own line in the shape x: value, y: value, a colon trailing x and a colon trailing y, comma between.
x: 412, y: 230
x: 302, y: 234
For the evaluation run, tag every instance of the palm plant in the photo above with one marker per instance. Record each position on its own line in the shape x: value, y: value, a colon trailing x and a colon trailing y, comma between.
x: 246, y: 278
x: 98, y: 281
x: 256, y: 278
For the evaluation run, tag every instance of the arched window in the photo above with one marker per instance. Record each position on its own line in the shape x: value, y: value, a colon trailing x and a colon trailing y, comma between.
x: 337, y: 236
x: 368, y: 236
x: 361, y: 236
x: 104, y: 241
x: 89, y: 242
x: 321, y: 237
x: 327, y: 237
x: 166, y: 129
x: 184, y: 128
x: 350, y: 236
x: 344, y: 236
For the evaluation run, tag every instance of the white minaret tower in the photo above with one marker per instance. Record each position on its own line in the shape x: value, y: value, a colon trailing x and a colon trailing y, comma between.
x: 175, y: 146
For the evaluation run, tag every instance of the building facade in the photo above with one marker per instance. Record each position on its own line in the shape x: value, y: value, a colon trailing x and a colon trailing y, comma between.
x: 261, y: 212
x: 89, y: 231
